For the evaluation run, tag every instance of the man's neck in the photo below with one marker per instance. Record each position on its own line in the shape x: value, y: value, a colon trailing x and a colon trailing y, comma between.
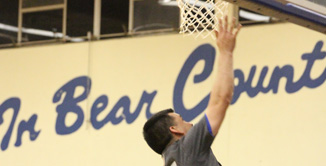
x: 174, y: 139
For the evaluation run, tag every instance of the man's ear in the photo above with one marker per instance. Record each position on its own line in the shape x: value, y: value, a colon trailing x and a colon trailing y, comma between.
x: 174, y: 130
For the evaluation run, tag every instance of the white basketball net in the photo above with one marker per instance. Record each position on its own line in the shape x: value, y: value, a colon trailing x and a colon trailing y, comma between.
x: 199, y: 17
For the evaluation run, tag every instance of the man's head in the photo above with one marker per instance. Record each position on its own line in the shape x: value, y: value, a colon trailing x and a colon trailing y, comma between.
x: 163, y: 128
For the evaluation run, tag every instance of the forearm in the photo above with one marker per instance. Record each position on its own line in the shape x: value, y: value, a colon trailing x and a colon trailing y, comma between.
x: 224, y: 84
x: 222, y: 91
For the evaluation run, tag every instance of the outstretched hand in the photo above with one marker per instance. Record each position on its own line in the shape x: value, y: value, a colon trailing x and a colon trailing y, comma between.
x: 226, y: 36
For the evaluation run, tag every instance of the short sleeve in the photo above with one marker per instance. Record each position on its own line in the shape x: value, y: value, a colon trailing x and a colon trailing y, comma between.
x: 199, y: 138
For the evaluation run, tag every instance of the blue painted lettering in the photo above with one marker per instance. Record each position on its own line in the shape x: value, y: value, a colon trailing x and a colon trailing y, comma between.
x: 27, y: 126
x: 286, y: 71
x: 70, y: 104
x: 206, y: 53
x: 14, y: 104
x: 124, y: 103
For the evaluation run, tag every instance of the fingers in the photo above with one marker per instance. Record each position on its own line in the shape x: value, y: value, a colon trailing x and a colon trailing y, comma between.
x: 216, y: 34
x: 226, y: 23
x: 220, y: 25
x: 233, y: 24
x: 225, y: 28
x: 237, y: 30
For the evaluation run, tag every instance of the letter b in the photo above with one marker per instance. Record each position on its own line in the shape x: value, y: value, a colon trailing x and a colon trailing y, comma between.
x: 70, y: 104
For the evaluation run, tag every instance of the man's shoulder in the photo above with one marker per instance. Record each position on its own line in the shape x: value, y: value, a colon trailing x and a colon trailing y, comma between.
x: 201, y: 126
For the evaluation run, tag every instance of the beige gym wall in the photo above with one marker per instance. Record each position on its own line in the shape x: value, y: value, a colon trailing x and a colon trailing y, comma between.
x: 281, y: 128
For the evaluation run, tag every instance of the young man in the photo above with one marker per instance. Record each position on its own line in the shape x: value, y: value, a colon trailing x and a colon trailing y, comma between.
x: 179, y: 142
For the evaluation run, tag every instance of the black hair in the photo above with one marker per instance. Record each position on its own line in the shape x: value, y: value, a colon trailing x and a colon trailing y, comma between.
x: 156, y: 130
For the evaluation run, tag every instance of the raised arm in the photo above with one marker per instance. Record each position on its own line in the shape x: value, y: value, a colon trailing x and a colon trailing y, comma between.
x: 222, y: 91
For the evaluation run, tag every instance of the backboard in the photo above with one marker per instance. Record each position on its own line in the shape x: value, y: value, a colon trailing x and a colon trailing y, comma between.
x: 307, y: 13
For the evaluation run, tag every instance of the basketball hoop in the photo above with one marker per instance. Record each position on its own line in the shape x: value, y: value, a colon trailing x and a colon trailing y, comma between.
x: 200, y: 18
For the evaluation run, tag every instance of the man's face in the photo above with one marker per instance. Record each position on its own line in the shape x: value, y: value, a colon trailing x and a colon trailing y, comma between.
x: 180, y: 124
